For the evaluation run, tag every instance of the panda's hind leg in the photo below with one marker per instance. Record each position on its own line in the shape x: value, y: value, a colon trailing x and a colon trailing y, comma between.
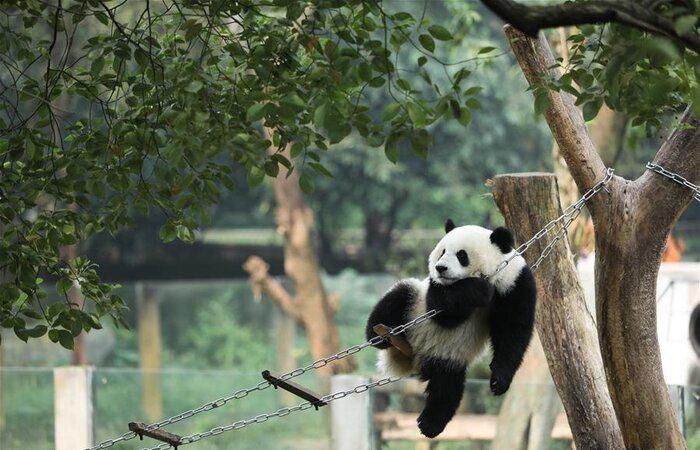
x: 444, y: 392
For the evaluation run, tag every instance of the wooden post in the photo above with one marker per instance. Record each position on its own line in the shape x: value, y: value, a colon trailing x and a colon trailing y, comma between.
x: 286, y: 361
x: 565, y: 326
x: 149, y: 350
x: 72, y: 407
x: 351, y: 418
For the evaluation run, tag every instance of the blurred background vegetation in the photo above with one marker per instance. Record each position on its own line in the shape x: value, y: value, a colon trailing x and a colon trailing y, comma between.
x: 375, y: 221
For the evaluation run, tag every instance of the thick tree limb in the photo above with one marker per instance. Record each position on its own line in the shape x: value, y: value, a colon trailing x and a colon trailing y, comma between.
x: 531, y: 19
x: 261, y: 279
x: 563, y: 117
x: 679, y: 154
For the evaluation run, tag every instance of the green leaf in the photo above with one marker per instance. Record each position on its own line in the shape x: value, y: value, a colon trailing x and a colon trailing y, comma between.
x: 422, y: 60
x: 65, y: 338
x: 427, y: 42
x: 365, y: 71
x: 96, y: 66
x: 417, y: 114
x: 320, y: 169
x: 391, y: 148
x: 473, y: 103
x: 465, y: 116
x: 541, y: 102
x: 167, y: 232
x: 271, y: 168
x: 440, y: 33
x: 484, y: 50
x: 296, y: 149
x: 194, y: 86
x: 590, y: 109
x: 38, y: 331
x: 255, y: 176
x: 391, y: 110
x: 306, y: 184
x: 256, y: 112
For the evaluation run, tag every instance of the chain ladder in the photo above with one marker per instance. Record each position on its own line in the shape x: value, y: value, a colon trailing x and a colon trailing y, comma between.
x: 567, y: 217
x: 282, y: 412
x: 266, y: 384
x: 675, y: 177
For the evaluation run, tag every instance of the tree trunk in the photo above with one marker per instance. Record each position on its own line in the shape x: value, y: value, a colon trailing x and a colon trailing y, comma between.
x: 530, y: 407
x: 630, y: 238
x: 75, y: 297
x: 148, y: 322
x: 311, y: 305
x: 565, y: 326
x: 632, y: 220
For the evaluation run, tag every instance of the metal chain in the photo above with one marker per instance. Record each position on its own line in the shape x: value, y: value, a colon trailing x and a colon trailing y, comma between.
x: 282, y: 412
x: 566, y: 218
x: 266, y: 384
x: 675, y: 177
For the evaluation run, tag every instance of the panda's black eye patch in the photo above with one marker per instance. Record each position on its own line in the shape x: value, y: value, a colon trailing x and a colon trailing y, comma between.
x: 463, y: 258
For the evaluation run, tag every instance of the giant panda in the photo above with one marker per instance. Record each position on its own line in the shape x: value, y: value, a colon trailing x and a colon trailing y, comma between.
x: 478, y: 304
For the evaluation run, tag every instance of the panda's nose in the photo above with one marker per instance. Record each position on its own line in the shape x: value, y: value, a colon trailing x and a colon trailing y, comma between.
x: 441, y: 269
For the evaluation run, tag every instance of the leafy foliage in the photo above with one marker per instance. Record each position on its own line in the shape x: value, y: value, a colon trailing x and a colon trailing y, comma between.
x: 109, y: 110
x: 645, y: 76
x: 112, y: 110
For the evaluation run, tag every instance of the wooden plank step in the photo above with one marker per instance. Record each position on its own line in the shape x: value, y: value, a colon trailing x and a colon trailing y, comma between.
x: 159, y: 434
x: 294, y: 388
x: 397, y: 341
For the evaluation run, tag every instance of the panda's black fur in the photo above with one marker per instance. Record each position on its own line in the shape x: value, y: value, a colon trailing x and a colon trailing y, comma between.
x: 477, y: 303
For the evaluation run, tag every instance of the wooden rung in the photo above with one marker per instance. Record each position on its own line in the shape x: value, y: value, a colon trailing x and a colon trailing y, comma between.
x: 397, y: 341
x: 161, y: 435
x: 294, y: 388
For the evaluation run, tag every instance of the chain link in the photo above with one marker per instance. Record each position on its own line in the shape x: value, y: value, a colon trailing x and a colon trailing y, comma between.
x: 567, y: 217
x: 282, y: 412
x: 675, y: 177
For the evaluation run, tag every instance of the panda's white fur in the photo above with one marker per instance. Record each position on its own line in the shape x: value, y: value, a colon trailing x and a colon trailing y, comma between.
x: 465, y: 343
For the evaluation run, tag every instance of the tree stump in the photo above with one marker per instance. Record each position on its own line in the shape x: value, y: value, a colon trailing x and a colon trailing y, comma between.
x: 565, y: 326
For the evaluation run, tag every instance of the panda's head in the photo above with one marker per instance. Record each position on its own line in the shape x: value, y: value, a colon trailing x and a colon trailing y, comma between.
x: 468, y: 251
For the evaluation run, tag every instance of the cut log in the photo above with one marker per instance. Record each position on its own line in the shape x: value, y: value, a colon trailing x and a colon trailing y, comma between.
x: 565, y: 326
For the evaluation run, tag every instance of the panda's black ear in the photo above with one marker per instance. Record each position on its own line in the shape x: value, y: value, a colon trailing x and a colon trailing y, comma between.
x: 449, y: 225
x: 503, y: 239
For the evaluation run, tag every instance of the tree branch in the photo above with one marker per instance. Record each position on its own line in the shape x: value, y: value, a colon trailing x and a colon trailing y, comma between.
x: 531, y: 19
x: 261, y: 281
x: 662, y: 200
x: 563, y: 117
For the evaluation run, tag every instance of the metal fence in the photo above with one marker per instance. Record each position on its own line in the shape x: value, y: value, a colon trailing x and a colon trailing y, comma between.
x: 384, y: 417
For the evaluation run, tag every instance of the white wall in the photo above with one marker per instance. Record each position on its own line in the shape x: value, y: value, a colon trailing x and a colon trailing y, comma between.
x: 678, y: 291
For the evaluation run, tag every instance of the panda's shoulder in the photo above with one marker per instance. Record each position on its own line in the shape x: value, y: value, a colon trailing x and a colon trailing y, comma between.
x: 517, y: 274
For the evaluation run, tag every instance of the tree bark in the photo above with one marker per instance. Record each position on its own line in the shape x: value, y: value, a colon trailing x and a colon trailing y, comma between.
x: 311, y: 305
x: 632, y: 220
x: 565, y: 326
x: 530, y: 19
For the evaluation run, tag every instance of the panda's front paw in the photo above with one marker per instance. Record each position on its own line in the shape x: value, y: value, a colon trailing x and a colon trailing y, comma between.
x: 430, y: 427
x: 500, y: 382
